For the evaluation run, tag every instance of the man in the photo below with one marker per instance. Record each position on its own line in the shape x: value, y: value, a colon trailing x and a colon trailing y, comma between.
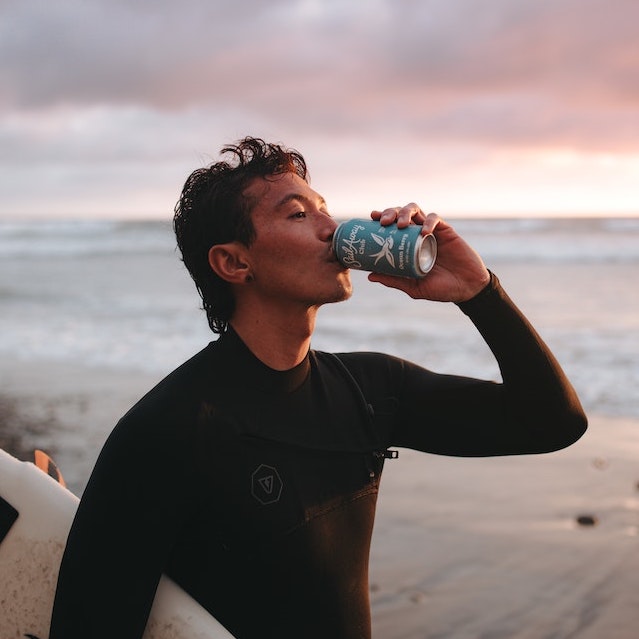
x: 272, y: 452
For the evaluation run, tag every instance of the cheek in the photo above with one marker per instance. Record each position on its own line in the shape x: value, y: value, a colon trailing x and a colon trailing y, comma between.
x: 278, y: 249
x: 276, y: 260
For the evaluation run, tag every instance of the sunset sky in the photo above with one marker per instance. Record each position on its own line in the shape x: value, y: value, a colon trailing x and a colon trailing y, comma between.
x: 468, y: 107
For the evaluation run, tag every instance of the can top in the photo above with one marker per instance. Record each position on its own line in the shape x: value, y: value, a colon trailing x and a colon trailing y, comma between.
x: 427, y: 254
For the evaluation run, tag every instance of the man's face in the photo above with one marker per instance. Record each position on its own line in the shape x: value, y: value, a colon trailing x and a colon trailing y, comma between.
x: 291, y: 257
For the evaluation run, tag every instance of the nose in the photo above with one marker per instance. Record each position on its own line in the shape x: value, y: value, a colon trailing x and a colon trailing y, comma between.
x: 327, y: 229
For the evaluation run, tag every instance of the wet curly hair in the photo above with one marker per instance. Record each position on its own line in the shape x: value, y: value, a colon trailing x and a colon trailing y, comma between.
x: 213, y: 209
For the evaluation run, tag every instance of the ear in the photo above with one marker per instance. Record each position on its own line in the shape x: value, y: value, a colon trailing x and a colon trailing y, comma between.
x: 229, y: 262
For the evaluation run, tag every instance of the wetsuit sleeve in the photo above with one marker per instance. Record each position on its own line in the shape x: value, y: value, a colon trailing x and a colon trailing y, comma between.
x: 122, y: 534
x: 535, y: 409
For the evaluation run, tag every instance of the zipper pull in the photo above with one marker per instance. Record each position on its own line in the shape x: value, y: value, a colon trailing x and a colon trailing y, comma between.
x: 386, y: 454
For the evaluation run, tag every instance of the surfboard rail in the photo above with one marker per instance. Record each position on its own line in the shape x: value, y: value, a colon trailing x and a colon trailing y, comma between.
x: 36, y: 512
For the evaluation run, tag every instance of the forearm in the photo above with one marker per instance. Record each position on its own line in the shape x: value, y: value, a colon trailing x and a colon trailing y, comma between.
x: 538, y: 398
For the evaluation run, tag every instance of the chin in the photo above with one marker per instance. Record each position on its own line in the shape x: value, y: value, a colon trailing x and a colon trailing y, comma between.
x: 346, y: 284
x: 339, y: 294
x: 345, y: 291
x: 340, y: 290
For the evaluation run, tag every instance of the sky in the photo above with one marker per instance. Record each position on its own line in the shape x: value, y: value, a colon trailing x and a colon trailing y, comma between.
x: 467, y: 107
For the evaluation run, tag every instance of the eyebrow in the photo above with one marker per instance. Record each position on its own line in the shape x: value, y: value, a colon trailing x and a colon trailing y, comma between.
x: 298, y: 196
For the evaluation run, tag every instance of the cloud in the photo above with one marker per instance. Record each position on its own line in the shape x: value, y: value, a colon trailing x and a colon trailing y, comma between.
x: 117, y: 51
x: 116, y: 83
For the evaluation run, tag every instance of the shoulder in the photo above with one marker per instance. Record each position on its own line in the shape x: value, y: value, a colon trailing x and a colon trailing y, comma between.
x: 165, y: 413
x: 364, y: 365
x: 369, y: 358
x: 160, y: 429
x: 382, y: 373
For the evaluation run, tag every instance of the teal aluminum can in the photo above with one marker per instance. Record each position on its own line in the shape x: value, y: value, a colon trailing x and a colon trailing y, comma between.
x: 369, y: 246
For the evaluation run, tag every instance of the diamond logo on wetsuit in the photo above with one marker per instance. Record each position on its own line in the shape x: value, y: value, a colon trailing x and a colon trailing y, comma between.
x: 266, y: 485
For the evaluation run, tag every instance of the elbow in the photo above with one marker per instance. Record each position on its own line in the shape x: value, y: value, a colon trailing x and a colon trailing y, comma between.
x: 567, y: 428
x: 576, y: 430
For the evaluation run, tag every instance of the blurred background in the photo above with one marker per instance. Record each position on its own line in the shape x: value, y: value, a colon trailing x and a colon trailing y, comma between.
x: 491, y: 107
x: 516, y: 119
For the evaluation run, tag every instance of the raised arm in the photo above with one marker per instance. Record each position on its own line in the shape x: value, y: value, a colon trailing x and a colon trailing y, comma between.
x: 534, y: 409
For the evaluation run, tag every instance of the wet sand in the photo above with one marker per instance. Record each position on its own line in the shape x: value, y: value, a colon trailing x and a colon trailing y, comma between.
x: 463, y: 548
x: 493, y: 548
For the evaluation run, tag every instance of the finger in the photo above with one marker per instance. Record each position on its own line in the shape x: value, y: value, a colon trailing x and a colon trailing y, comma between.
x: 387, y: 216
x: 403, y: 216
x: 430, y: 223
x: 407, y: 214
x: 404, y: 284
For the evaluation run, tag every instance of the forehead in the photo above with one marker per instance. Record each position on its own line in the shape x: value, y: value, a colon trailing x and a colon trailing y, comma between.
x: 268, y: 195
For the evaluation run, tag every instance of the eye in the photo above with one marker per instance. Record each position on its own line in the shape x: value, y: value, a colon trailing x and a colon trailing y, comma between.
x: 298, y: 215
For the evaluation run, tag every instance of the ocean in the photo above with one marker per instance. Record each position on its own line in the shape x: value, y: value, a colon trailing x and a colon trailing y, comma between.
x: 93, y: 312
x: 115, y: 294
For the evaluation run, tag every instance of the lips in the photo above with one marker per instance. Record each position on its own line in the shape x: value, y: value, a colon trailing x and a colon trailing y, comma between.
x: 332, y: 258
x: 332, y: 254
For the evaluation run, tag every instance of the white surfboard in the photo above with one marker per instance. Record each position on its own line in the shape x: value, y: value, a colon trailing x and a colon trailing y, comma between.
x: 36, y: 513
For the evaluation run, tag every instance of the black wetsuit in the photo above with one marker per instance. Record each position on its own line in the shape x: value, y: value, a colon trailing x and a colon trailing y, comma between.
x: 255, y: 490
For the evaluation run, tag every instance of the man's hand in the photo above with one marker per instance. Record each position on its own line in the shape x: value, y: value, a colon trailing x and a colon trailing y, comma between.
x: 459, y: 272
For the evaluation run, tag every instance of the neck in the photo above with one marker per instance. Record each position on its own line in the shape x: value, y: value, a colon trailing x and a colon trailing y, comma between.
x: 282, y: 341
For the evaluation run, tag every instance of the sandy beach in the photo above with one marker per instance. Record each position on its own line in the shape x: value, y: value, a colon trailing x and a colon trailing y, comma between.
x: 463, y: 548
x: 492, y: 548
